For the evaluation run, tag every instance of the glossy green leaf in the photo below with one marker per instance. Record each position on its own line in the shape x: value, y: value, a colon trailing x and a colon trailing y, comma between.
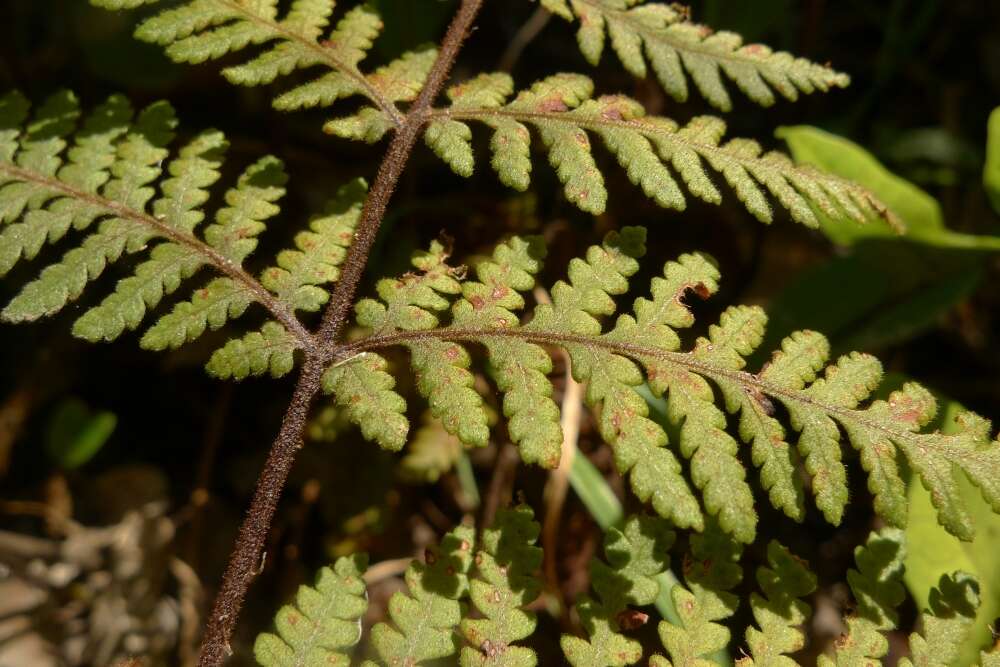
x: 76, y: 434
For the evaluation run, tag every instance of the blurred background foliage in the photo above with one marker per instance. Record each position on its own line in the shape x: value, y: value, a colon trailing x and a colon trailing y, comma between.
x: 94, y: 432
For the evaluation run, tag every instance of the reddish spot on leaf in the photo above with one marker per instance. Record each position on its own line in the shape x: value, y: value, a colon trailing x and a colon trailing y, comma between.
x: 550, y: 104
x: 701, y: 289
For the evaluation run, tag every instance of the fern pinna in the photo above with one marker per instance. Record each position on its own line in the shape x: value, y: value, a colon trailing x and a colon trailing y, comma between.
x: 470, y: 610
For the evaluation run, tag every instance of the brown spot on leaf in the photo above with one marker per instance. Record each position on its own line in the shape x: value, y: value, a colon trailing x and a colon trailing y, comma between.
x: 631, y: 619
x: 701, y: 289
x: 550, y: 104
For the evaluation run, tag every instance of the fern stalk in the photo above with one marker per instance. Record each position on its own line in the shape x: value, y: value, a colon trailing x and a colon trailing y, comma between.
x: 247, y: 551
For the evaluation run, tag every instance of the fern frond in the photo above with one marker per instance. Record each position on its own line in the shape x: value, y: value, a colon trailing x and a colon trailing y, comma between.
x: 652, y: 150
x: 424, y: 621
x: 431, y: 452
x: 503, y: 584
x: 824, y: 402
x: 324, y: 622
x: 201, y: 30
x: 781, y: 614
x: 635, y: 554
x: 674, y: 45
x: 712, y: 571
x: 119, y: 183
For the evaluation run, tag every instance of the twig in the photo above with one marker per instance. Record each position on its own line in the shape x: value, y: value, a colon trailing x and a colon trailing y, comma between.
x: 245, y: 558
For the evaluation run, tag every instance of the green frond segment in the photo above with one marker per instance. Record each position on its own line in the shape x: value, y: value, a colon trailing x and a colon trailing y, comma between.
x: 737, y: 335
x: 35, y: 187
x: 269, y: 350
x: 820, y: 408
x: 622, y: 414
x: 780, y: 613
x: 425, y: 618
x: 662, y: 36
x: 115, y: 179
x: 710, y: 574
x: 520, y: 368
x: 362, y: 386
x: 412, y: 303
x: 503, y: 584
x: 319, y: 252
x: 653, y: 150
x: 299, y: 41
x: 635, y: 555
x: 877, y: 585
x: 946, y: 624
x: 323, y: 624
x: 691, y: 407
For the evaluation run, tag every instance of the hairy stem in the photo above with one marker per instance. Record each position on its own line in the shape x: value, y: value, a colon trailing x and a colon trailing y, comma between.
x: 212, y: 257
x: 388, y: 175
x: 246, y: 557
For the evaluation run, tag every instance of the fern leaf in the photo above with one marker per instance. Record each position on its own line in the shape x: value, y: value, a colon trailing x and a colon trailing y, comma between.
x: 117, y: 175
x: 323, y: 624
x: 710, y: 575
x: 363, y: 388
x: 562, y: 111
x: 424, y: 621
x: 520, y: 367
x: 690, y: 401
x: 441, y: 367
x: 269, y: 350
x: 946, y: 624
x: 319, y: 254
x: 674, y: 45
x: 136, y: 164
x: 503, y: 584
x: 638, y: 442
x: 201, y: 30
x: 738, y: 334
x: 878, y: 590
x: 193, y: 171
x: 824, y: 403
x: 781, y: 614
x: 635, y: 554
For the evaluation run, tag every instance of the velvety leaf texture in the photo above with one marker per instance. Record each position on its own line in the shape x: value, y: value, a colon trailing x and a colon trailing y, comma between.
x: 828, y: 405
x: 118, y: 187
x: 654, y: 151
x: 663, y: 36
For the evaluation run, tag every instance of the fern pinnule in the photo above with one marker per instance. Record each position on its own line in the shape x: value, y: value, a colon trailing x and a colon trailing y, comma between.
x: 635, y: 554
x: 201, y: 30
x: 652, y: 150
x: 674, y: 45
x: 503, y: 582
x: 781, y: 613
x: 323, y: 624
x: 119, y: 177
x: 710, y: 574
x: 424, y: 621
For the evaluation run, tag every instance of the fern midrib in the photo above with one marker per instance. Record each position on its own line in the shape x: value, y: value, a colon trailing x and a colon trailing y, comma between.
x: 335, y: 63
x: 652, y: 34
x: 221, y: 263
x: 683, y: 359
x: 635, y: 125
